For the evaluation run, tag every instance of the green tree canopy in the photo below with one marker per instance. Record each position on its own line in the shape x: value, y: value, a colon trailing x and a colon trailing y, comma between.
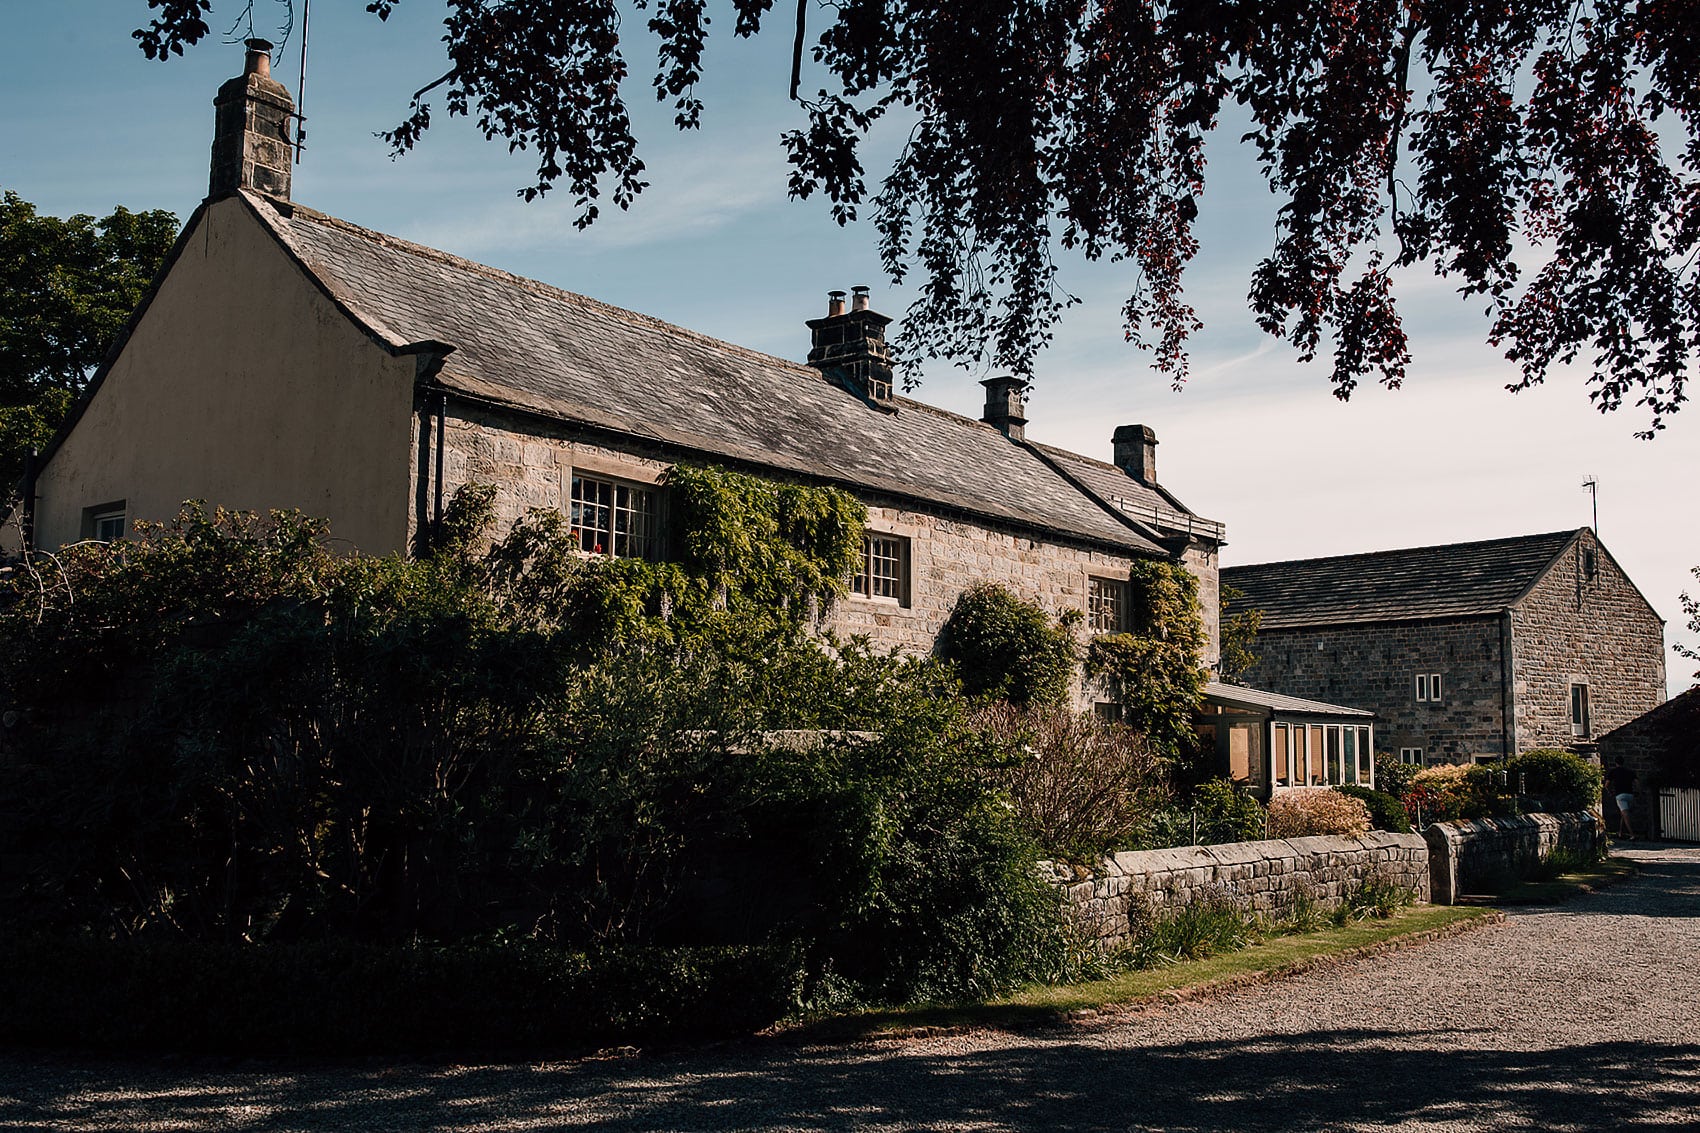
x: 66, y: 288
x: 1543, y: 157
x: 1691, y: 607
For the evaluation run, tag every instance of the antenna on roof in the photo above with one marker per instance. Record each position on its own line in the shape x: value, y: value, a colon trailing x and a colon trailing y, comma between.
x: 1593, y: 487
x: 301, y: 86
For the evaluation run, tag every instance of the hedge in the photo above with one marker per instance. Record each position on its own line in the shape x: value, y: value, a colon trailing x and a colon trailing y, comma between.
x: 339, y: 998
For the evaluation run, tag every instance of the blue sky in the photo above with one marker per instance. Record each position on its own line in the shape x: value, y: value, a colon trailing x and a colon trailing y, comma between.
x: 1255, y: 440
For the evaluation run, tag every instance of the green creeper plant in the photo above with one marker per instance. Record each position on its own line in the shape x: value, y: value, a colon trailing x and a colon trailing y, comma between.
x: 1155, y: 670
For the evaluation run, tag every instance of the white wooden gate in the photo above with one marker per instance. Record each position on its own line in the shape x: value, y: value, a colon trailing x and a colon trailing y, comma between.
x: 1679, y: 814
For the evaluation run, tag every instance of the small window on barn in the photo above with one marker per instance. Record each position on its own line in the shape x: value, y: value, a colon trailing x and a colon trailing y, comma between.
x: 1106, y: 605
x: 885, y: 569
x: 1422, y: 688
x: 106, y: 523
x: 1579, y: 714
x: 613, y: 518
x: 1413, y: 756
x: 1434, y: 688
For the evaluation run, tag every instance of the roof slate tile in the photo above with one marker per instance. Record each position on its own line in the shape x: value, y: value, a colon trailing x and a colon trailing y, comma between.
x: 1455, y: 580
x: 534, y: 347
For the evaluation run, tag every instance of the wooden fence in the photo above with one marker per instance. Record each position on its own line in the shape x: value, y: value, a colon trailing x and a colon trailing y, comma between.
x: 1679, y: 814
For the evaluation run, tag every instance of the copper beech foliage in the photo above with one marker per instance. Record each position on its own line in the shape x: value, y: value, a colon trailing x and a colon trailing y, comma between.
x: 1541, y: 156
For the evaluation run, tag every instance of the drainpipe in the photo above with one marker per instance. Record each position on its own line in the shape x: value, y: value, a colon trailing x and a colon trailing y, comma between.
x: 428, y: 357
x: 1506, y: 705
x: 437, y: 501
x: 27, y: 518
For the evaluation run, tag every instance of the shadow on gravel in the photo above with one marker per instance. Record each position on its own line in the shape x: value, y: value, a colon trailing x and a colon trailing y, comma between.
x: 1325, y: 1079
x: 1667, y: 885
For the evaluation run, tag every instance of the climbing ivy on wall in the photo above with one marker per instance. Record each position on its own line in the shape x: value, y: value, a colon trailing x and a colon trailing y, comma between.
x: 1155, y: 670
x: 746, y: 555
x: 770, y: 544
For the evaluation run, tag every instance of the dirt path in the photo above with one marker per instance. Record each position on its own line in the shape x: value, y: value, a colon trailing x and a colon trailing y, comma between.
x: 1580, y: 1017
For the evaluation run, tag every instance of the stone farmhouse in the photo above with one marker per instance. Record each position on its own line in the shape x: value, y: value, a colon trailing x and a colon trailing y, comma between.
x: 289, y: 359
x: 1465, y: 652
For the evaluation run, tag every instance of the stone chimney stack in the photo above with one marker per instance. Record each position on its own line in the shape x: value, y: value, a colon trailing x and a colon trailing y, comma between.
x: 1136, y: 452
x: 1006, y: 406
x: 251, y: 133
x: 852, y: 343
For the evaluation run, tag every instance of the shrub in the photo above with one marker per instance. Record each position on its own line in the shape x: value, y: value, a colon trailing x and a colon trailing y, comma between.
x: 1560, y: 780
x: 1379, y: 896
x: 1456, y: 790
x: 1005, y: 648
x: 1393, y: 774
x: 341, y: 998
x: 1307, y: 811
x: 1080, y: 787
x: 1385, y: 811
x: 1563, y: 860
x: 1226, y: 814
x: 234, y: 735
x: 1213, y: 922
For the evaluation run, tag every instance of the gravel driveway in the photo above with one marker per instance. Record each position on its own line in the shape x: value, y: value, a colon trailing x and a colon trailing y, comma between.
x: 1581, y: 1017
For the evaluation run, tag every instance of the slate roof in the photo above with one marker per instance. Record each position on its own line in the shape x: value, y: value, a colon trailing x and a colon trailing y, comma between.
x: 1239, y: 697
x: 1455, y: 580
x: 1152, y: 506
x: 524, y: 344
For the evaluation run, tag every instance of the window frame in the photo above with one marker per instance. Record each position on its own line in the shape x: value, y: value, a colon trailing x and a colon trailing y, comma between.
x: 1414, y: 756
x: 862, y: 584
x: 97, y: 516
x: 1581, y: 710
x: 1101, y: 592
x: 618, y: 544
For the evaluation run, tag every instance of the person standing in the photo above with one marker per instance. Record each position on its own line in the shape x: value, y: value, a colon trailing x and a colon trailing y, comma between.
x: 1620, y: 781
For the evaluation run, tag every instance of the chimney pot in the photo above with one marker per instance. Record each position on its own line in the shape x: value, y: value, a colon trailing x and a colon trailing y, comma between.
x: 834, y: 303
x: 1135, y: 448
x: 259, y: 57
x: 859, y: 299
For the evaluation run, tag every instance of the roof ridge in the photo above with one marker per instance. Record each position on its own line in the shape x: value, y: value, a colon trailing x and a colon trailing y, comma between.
x: 437, y: 255
x: 1504, y: 539
x: 1092, y: 460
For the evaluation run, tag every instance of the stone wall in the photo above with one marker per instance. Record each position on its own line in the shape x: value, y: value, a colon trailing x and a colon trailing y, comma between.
x: 1375, y: 666
x: 948, y: 555
x: 1471, y: 854
x: 1266, y: 876
x: 1572, y: 629
x: 532, y: 463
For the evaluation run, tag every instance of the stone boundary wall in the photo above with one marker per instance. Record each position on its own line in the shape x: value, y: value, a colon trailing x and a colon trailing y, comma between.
x: 1466, y: 853
x: 1109, y: 900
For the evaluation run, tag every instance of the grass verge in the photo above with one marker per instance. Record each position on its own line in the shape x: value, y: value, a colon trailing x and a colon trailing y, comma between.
x: 1275, y: 957
x: 1607, y: 871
